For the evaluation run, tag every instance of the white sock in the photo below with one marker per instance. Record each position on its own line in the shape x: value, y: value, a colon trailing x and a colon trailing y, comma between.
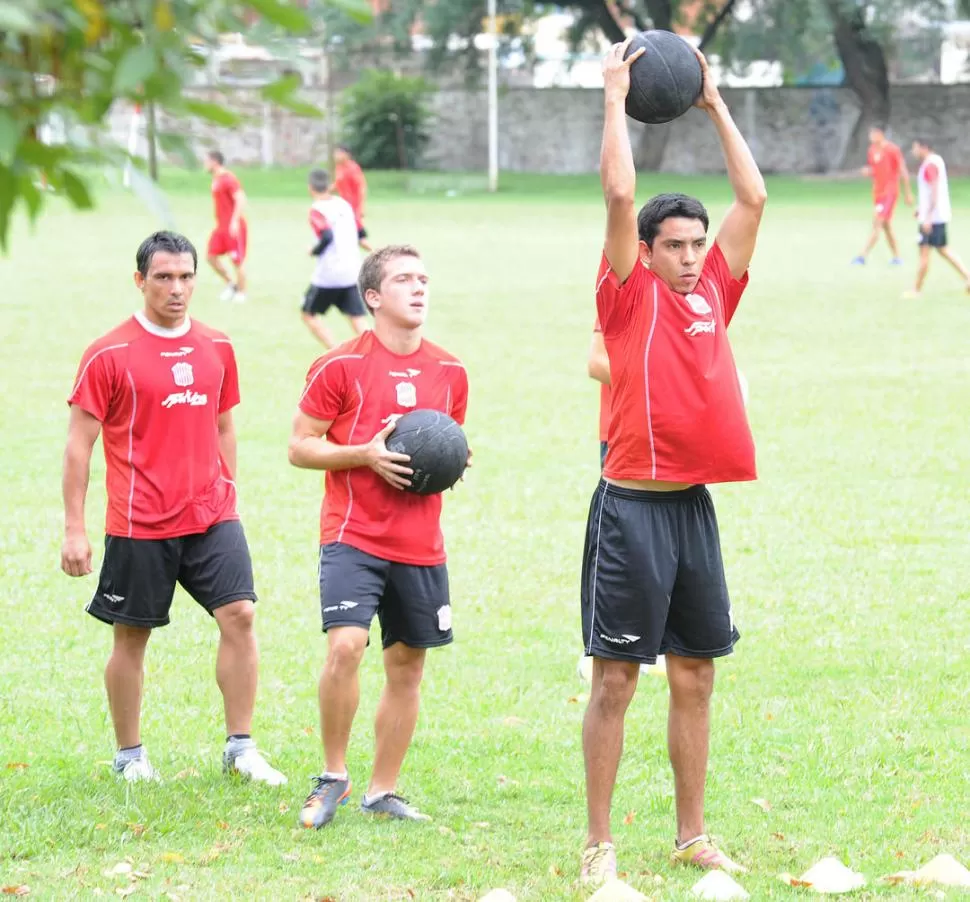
x: 330, y: 775
x: 369, y: 800
x: 690, y: 842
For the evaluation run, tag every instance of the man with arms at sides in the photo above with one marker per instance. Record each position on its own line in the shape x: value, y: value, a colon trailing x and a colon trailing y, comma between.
x: 933, y: 213
x: 230, y: 235
x: 887, y: 167
x: 334, y: 281
x: 350, y: 184
x: 653, y: 578
x: 598, y: 368
x: 160, y: 389
x: 381, y: 548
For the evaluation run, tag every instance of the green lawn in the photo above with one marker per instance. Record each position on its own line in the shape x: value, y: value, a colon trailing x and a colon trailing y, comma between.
x: 846, y: 705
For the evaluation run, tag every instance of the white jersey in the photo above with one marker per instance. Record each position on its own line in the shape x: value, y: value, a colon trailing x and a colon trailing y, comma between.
x: 339, y: 264
x: 925, y: 181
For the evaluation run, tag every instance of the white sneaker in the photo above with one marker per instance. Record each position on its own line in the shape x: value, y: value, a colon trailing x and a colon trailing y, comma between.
x: 228, y: 293
x: 139, y: 770
x: 239, y: 297
x: 245, y: 759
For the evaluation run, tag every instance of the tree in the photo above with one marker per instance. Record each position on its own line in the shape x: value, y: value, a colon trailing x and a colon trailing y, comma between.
x: 68, y: 61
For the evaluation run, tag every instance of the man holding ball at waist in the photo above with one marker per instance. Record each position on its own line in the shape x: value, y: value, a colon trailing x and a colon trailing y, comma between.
x: 653, y: 579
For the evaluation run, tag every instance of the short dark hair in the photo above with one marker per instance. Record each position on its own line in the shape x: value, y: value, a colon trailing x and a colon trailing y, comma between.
x: 923, y: 143
x: 319, y: 180
x: 217, y: 155
x: 165, y: 243
x: 341, y: 146
x: 666, y: 206
x: 372, y: 269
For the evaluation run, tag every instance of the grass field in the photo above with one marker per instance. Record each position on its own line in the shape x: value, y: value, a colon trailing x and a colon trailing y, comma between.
x: 846, y: 706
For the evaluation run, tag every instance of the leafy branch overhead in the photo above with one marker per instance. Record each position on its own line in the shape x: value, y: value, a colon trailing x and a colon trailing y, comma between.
x: 65, y: 62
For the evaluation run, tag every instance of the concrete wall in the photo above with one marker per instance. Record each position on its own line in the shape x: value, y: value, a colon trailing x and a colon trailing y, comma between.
x: 557, y: 130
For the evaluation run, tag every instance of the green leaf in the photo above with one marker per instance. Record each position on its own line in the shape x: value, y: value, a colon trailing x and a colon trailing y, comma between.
x: 136, y: 66
x: 14, y: 19
x: 10, y: 132
x: 292, y: 18
x: 358, y: 10
x: 179, y: 146
x: 211, y: 112
x: 300, y: 107
x: 76, y: 190
x: 32, y: 197
x: 8, y: 197
x: 281, y: 89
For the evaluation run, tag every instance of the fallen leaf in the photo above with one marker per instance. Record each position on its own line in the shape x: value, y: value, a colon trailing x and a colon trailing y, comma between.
x: 172, y: 857
x: 284, y: 807
x: 188, y: 772
x: 555, y: 870
x: 446, y: 831
x: 829, y: 876
x: 411, y: 894
x: 793, y: 881
x: 484, y: 825
x: 631, y: 816
x: 763, y: 804
x: 19, y: 890
x: 126, y: 890
x: 779, y: 836
x: 100, y: 826
x: 308, y: 731
x: 577, y: 699
x: 140, y: 875
x: 137, y: 829
x: 899, y: 854
x: 18, y: 765
x: 769, y: 716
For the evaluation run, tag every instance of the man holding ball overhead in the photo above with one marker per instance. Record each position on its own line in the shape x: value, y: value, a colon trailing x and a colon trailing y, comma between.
x: 653, y: 579
x: 381, y: 547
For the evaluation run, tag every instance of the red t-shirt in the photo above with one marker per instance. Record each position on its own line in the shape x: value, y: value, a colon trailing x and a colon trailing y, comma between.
x: 356, y: 387
x: 349, y: 183
x: 605, y: 397
x: 158, y: 400
x: 677, y: 415
x: 224, y: 187
x: 887, y: 165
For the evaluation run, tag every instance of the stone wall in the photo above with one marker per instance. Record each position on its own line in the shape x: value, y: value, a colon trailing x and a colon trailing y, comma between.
x: 557, y: 130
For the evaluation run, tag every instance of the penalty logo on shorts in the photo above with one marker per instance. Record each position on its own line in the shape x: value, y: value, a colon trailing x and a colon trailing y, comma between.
x: 182, y: 373
x: 444, y: 618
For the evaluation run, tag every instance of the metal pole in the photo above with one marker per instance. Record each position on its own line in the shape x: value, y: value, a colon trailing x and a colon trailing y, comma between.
x: 492, y: 98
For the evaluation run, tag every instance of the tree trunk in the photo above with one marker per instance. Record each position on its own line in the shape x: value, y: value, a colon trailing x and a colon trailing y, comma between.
x: 865, y: 72
x: 150, y: 134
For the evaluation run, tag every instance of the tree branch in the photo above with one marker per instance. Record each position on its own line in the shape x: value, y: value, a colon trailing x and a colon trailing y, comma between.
x: 711, y: 29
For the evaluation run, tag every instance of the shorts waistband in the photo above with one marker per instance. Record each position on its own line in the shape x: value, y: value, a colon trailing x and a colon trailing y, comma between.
x: 618, y: 491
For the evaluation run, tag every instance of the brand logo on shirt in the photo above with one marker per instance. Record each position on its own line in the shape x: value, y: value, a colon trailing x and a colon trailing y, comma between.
x: 181, y: 352
x: 698, y: 304
x: 343, y: 606
x: 701, y: 327
x: 407, y: 374
x: 407, y: 394
x: 182, y: 373
x: 192, y: 398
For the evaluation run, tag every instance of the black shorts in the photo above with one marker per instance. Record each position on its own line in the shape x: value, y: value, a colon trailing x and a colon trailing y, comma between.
x: 653, y: 578
x: 412, y: 602
x: 138, y: 576
x: 348, y: 301
x: 936, y: 237
x: 361, y: 233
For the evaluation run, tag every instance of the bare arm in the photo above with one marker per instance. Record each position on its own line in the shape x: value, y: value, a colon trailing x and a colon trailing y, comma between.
x: 907, y: 185
x: 598, y: 365
x: 617, y: 172
x: 239, y: 205
x: 82, y: 433
x: 227, y: 441
x: 310, y: 450
x: 739, y: 230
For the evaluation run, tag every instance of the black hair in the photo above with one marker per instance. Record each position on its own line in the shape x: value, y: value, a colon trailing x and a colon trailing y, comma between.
x: 666, y: 206
x: 342, y: 147
x: 217, y: 156
x: 319, y: 180
x: 165, y: 243
x: 923, y: 143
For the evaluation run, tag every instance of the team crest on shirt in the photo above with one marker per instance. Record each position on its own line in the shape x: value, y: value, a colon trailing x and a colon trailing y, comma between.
x: 182, y: 373
x: 698, y: 304
x: 407, y: 394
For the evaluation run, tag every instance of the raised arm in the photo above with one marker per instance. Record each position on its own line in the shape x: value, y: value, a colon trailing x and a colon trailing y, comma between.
x: 310, y: 450
x: 739, y: 230
x: 82, y: 433
x: 617, y: 173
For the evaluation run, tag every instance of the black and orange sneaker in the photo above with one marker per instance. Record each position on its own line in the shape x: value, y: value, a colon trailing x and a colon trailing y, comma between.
x: 321, y: 805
